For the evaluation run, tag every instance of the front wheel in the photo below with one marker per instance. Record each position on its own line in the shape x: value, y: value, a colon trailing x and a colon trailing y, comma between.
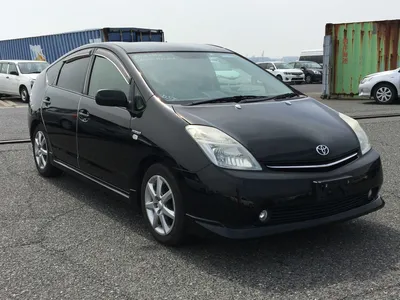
x: 162, y: 205
x: 24, y: 94
x: 279, y: 77
x: 308, y: 79
x: 385, y: 93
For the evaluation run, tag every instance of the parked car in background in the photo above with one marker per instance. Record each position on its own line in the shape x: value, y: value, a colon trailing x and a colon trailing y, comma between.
x: 283, y: 72
x: 18, y: 76
x: 384, y: 87
x: 312, y: 70
x: 315, y: 55
x: 153, y: 123
x: 226, y: 75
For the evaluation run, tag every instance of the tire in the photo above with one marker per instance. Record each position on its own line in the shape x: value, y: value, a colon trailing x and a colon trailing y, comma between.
x: 174, y: 233
x: 23, y: 92
x: 308, y: 79
x: 279, y: 77
x: 40, y: 146
x: 385, y: 93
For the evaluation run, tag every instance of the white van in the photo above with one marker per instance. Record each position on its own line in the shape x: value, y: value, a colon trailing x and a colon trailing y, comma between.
x: 315, y: 55
x: 18, y: 76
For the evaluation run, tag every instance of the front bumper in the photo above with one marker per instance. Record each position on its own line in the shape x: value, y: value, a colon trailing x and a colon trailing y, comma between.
x: 364, y: 90
x: 228, y: 203
x: 316, y: 77
x: 292, y: 78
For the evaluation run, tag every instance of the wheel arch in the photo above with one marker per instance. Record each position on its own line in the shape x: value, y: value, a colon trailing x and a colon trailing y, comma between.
x: 144, y: 165
x: 383, y: 82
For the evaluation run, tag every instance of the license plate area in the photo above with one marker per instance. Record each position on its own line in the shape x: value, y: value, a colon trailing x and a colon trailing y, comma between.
x: 325, y: 190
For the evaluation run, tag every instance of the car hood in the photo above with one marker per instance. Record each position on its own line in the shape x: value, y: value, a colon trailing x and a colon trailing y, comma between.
x: 229, y: 74
x: 384, y: 73
x: 277, y: 132
x: 290, y: 70
x: 32, y: 76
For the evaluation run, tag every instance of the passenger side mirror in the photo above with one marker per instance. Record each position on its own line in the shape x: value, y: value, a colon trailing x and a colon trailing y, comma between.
x: 14, y: 73
x: 114, y: 98
x: 272, y: 68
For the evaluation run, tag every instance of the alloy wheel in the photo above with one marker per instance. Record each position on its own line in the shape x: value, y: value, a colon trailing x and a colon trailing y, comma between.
x: 384, y: 94
x: 41, y: 150
x: 160, y: 205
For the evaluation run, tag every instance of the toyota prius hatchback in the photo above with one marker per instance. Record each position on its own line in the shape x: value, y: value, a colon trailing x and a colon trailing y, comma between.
x: 157, y: 124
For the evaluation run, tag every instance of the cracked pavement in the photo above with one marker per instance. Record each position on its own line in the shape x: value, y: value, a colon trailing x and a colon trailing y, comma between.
x: 65, y: 239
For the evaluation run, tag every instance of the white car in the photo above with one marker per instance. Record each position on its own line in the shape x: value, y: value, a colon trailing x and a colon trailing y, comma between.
x: 283, y: 71
x: 18, y: 76
x: 384, y: 87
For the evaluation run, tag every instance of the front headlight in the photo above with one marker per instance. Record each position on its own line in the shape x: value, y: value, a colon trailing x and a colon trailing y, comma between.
x: 360, y: 133
x: 286, y: 73
x: 221, y: 149
x: 366, y: 79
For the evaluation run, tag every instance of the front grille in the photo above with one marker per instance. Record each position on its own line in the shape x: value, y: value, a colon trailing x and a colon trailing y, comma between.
x: 315, y: 210
x: 297, y: 73
x: 323, y: 165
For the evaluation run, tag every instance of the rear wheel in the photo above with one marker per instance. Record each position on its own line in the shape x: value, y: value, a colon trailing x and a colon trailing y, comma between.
x: 162, y: 205
x: 23, y: 92
x: 41, y: 153
x: 385, y: 93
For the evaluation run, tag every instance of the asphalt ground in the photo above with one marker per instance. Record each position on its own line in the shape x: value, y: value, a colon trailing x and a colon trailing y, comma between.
x: 63, y: 239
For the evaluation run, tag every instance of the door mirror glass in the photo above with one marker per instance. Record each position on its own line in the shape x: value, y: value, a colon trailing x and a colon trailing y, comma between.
x: 114, y: 98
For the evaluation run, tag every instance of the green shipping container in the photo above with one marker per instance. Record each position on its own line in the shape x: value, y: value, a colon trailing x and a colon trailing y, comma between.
x: 354, y: 50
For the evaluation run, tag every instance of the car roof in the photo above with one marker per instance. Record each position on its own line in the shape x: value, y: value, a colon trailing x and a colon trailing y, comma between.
x: 135, y: 47
x: 19, y: 61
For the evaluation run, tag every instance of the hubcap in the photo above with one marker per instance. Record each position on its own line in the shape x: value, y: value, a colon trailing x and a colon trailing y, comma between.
x: 383, y: 94
x: 160, y: 205
x: 41, y: 150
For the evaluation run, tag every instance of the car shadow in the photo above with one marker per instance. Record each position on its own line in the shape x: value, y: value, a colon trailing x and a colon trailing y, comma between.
x: 357, y: 250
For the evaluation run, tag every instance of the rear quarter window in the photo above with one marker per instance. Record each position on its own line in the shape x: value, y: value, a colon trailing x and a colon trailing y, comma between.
x: 52, y: 73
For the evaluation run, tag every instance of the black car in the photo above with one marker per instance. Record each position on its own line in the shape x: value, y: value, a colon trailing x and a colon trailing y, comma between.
x: 312, y: 70
x: 151, y: 122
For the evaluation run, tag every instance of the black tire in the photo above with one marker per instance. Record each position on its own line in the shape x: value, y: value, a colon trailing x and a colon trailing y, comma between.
x: 385, y: 93
x: 279, y: 77
x: 177, y: 234
x: 23, y: 92
x: 308, y: 79
x: 48, y: 170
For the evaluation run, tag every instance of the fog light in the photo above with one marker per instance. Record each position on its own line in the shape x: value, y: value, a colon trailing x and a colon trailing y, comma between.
x: 370, y: 194
x: 263, y: 216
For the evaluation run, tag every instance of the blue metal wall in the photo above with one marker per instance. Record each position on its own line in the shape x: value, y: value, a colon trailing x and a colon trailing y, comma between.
x: 51, y: 47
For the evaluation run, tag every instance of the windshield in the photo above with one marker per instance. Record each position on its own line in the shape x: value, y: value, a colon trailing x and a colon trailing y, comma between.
x: 32, y: 67
x: 282, y: 66
x: 179, y: 77
x: 312, y: 65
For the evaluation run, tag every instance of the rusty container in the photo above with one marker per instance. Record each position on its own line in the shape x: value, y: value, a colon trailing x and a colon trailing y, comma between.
x: 354, y: 50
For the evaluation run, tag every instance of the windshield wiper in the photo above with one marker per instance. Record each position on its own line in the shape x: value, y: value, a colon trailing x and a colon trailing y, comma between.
x: 277, y: 97
x: 236, y: 99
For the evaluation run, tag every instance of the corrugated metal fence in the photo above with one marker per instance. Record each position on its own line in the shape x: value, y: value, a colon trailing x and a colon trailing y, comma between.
x: 51, y: 47
x: 356, y: 50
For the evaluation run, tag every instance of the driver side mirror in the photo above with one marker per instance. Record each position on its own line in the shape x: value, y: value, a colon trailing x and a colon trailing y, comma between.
x: 14, y: 73
x: 115, y: 98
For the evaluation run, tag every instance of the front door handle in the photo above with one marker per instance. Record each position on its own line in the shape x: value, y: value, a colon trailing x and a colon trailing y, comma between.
x: 84, y: 115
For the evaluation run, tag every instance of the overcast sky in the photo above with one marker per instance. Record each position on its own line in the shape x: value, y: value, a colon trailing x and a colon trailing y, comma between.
x: 279, y: 28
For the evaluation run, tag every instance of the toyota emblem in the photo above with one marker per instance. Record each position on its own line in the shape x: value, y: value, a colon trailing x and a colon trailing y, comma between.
x: 322, y: 150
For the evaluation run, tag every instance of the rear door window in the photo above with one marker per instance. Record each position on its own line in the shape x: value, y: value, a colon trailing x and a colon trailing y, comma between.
x: 4, y: 67
x: 73, y: 74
